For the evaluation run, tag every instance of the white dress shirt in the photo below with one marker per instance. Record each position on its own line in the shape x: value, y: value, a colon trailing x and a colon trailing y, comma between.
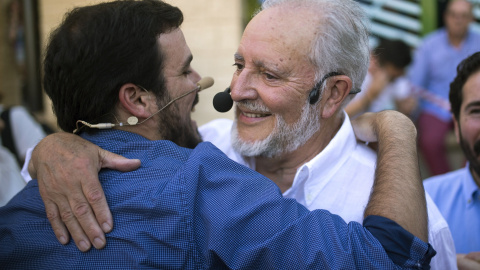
x: 340, y: 179
x: 25, y: 130
x: 11, y: 181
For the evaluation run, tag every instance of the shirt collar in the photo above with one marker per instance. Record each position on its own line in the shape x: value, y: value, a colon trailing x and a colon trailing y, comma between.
x: 327, y: 162
x: 468, y: 38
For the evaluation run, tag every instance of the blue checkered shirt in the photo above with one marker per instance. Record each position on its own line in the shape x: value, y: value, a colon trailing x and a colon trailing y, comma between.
x: 197, y: 209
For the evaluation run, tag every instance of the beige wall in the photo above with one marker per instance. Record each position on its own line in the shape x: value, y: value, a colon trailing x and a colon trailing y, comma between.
x: 212, y: 29
x: 10, y: 80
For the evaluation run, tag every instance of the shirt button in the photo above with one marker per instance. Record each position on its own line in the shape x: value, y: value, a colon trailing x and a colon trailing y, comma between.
x: 469, y: 200
x: 418, y: 265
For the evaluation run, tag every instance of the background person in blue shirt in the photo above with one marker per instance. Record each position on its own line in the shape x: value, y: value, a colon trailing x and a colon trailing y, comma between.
x: 457, y: 194
x: 195, y: 208
x: 432, y: 70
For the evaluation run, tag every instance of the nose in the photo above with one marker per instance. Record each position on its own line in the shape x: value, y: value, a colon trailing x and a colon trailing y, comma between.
x: 195, y: 76
x: 243, y: 86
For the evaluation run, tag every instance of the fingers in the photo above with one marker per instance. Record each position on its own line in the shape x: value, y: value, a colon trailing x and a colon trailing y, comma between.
x: 88, y: 206
x: 83, y: 226
x: 74, y: 215
x: 363, y: 127
x: 77, y: 216
x: 74, y: 227
x: 465, y: 263
x: 94, y: 192
x: 58, y: 226
x: 117, y: 162
x: 51, y: 208
x: 98, y: 203
x: 473, y: 256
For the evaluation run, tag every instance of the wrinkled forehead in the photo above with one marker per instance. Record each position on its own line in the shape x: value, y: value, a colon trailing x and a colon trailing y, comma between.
x: 289, y: 27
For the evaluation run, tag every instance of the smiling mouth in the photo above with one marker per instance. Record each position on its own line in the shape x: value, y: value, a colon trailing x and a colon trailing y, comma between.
x: 256, y: 115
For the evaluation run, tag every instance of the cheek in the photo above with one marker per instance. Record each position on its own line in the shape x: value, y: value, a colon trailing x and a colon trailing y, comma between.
x: 288, y: 107
x: 470, y: 129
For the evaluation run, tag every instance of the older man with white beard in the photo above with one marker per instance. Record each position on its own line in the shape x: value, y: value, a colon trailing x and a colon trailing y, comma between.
x: 297, y: 66
x: 307, y: 146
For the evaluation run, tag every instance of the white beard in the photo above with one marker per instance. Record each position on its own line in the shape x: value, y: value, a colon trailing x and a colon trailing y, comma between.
x: 284, y: 138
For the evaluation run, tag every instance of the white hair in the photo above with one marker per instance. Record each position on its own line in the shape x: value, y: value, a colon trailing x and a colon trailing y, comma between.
x: 341, y: 45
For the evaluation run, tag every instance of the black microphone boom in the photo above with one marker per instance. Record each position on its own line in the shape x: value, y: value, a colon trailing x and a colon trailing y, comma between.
x: 222, y: 101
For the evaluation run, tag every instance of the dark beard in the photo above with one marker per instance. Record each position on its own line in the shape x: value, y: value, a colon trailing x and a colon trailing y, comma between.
x: 471, y: 153
x: 172, y: 129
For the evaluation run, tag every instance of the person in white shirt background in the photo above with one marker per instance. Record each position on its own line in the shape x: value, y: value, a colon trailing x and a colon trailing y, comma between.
x: 23, y: 132
x: 386, y: 87
x: 10, y: 179
x: 290, y: 88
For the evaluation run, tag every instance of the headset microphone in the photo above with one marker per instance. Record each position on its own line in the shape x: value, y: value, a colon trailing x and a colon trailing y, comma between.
x: 204, y: 83
x: 222, y: 101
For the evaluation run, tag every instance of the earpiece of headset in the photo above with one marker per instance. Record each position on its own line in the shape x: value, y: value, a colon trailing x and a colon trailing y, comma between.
x: 315, y: 92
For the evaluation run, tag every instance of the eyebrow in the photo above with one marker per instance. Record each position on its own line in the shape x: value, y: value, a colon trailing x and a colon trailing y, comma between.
x: 261, y: 64
x: 472, y: 104
x: 187, y: 62
x: 237, y: 56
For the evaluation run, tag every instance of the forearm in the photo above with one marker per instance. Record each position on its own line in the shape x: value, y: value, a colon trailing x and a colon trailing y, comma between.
x: 398, y: 193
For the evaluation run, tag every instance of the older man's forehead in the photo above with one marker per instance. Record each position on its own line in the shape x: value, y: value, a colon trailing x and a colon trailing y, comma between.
x: 471, y: 88
x: 282, y: 65
x: 460, y: 6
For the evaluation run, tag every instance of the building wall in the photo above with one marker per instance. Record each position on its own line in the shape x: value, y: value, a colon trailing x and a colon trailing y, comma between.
x: 212, y: 29
x: 10, y: 80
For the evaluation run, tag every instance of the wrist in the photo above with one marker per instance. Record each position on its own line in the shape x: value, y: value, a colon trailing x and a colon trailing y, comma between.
x: 394, y: 125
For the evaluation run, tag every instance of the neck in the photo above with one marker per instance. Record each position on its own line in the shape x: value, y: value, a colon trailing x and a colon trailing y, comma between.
x: 456, y: 40
x: 282, y: 169
x: 147, y: 129
x: 475, y: 177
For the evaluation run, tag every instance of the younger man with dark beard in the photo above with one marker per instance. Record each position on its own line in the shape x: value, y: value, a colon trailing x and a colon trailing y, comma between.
x: 457, y: 194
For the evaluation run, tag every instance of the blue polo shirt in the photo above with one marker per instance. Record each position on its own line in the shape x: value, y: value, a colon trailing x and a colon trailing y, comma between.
x: 458, y: 198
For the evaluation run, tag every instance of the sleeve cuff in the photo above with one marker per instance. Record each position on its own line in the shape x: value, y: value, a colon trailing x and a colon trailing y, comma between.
x: 26, y: 176
x: 403, y: 248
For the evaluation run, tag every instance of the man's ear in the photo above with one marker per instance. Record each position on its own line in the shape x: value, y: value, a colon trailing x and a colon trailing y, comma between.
x: 338, y: 88
x: 135, y: 100
x: 456, y: 128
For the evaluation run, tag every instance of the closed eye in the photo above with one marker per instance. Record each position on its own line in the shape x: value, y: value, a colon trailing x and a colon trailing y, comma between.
x: 239, y: 66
